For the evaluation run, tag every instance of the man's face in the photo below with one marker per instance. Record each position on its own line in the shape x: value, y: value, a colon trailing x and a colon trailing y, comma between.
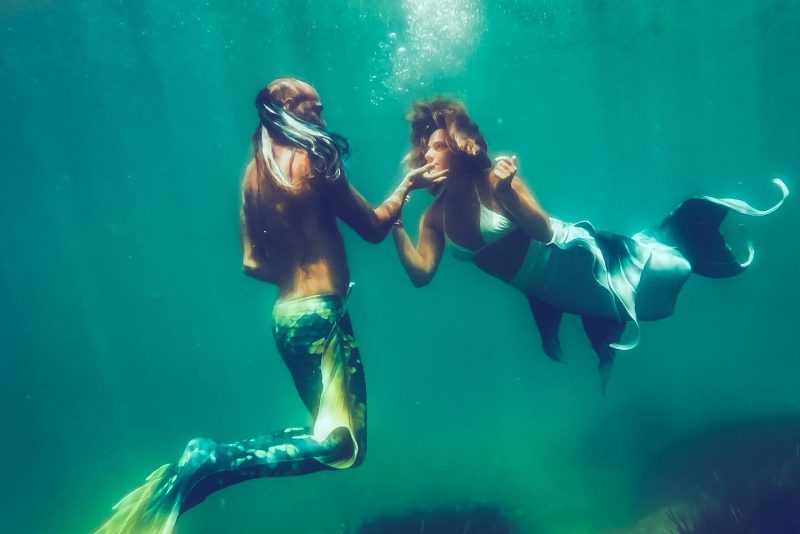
x: 438, y: 152
x: 308, y: 107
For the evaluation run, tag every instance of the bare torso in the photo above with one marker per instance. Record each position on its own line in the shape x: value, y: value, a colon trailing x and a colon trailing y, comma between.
x: 298, y: 245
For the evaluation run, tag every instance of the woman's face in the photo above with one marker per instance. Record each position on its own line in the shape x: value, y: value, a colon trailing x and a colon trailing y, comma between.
x: 438, y: 152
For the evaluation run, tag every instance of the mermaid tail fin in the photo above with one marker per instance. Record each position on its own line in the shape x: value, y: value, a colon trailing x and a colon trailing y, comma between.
x: 548, y: 320
x: 604, y: 335
x: 135, y: 513
x: 694, y: 229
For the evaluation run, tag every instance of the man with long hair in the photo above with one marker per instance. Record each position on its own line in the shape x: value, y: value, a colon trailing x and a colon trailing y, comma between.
x: 293, y: 192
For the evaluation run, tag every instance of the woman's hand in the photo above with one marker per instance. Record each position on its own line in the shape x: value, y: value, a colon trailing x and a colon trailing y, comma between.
x: 505, y: 168
x: 422, y: 178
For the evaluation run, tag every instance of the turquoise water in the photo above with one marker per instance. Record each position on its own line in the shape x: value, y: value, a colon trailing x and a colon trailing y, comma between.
x: 128, y: 327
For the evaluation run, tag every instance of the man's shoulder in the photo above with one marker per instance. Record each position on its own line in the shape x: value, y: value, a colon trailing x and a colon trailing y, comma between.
x: 305, y: 179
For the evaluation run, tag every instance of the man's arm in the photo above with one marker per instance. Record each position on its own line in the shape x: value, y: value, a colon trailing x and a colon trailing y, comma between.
x: 373, y: 224
x: 253, y: 257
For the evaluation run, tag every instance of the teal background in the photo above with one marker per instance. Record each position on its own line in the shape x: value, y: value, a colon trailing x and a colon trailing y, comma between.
x: 128, y: 328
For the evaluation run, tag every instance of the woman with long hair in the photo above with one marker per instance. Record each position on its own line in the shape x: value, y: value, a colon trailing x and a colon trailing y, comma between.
x: 484, y: 213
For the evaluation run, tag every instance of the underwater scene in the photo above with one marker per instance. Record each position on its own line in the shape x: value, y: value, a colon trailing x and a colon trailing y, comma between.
x: 552, y: 242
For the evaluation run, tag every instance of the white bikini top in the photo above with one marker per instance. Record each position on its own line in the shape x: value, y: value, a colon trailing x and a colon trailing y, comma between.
x: 493, y: 227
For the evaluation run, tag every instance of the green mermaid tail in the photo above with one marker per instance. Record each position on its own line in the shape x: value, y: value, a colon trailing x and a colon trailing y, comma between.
x: 135, y: 513
x: 315, y: 339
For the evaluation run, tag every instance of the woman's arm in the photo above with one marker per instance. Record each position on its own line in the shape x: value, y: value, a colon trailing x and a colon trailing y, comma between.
x: 518, y: 200
x: 422, y: 260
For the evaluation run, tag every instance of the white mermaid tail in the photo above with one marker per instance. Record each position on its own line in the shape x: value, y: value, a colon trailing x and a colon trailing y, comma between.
x: 611, y: 280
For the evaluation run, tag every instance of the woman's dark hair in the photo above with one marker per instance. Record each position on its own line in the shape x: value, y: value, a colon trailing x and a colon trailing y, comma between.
x: 462, y: 135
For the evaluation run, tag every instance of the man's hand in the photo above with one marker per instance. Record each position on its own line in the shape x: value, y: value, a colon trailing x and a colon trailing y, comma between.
x: 422, y: 178
x: 505, y: 169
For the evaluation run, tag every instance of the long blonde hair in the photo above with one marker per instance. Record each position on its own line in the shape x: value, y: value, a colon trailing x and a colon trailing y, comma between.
x: 326, y: 149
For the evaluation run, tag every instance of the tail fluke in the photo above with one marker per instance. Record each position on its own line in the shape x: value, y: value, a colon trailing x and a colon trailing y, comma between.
x: 604, y: 335
x: 694, y: 229
x: 136, y: 513
x: 548, y: 320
